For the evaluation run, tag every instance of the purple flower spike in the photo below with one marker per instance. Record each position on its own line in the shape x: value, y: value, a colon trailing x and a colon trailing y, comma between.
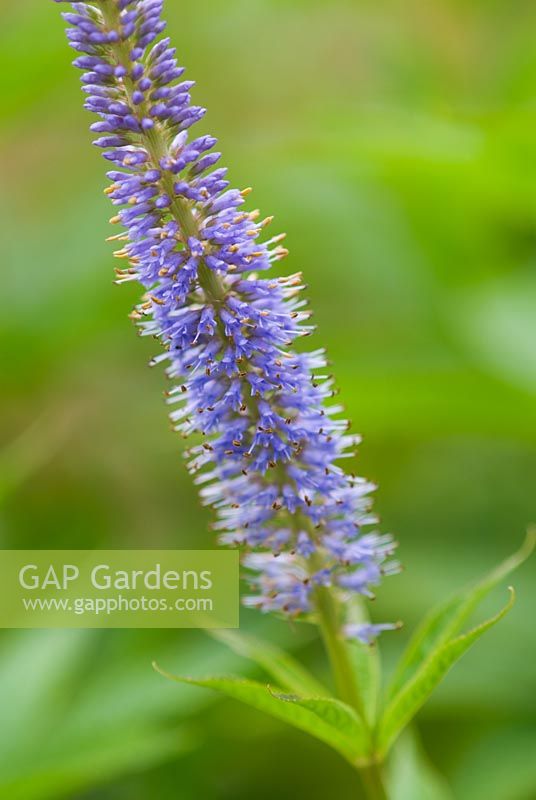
x: 267, y: 438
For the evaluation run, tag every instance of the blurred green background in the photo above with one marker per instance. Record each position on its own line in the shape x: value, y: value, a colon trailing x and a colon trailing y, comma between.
x: 395, y: 141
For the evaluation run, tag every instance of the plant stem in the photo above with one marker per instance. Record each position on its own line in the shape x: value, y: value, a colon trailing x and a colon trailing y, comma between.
x: 337, y: 650
x: 345, y: 681
x: 372, y: 779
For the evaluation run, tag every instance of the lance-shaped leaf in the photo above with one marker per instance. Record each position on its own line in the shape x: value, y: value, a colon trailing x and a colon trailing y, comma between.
x: 446, y: 621
x: 366, y: 663
x: 325, y: 718
x: 433, y: 669
x: 283, y: 668
x: 337, y: 714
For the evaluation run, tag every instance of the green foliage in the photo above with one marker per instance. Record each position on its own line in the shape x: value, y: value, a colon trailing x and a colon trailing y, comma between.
x: 430, y: 672
x: 431, y: 653
x: 445, y: 621
x: 280, y: 665
x: 325, y: 718
x: 367, y: 666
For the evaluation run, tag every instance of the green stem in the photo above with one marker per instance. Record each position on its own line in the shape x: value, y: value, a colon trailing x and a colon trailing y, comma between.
x: 372, y: 779
x: 345, y: 681
x: 337, y: 650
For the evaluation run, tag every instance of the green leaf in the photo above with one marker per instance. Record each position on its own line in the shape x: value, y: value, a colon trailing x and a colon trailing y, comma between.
x: 366, y: 663
x: 416, y: 691
x: 283, y: 668
x: 325, y: 718
x: 336, y: 713
x: 446, y: 620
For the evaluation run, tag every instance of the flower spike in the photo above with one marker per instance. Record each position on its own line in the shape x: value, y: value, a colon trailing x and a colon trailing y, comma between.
x: 267, y: 438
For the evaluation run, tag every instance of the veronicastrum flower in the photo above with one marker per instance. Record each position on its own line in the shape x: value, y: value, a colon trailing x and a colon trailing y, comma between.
x: 270, y: 439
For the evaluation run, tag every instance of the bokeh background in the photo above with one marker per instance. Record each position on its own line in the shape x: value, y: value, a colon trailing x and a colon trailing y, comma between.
x: 395, y: 141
